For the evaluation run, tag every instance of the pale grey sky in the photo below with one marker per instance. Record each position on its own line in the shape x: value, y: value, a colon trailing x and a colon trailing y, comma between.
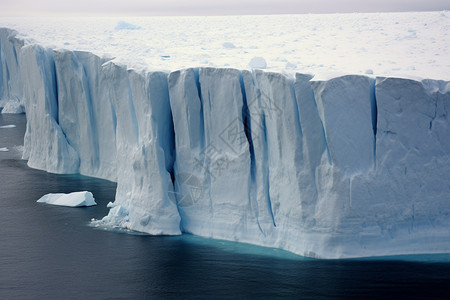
x: 204, y: 7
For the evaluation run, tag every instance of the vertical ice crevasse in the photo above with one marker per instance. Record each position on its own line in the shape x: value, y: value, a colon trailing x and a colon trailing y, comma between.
x: 374, y: 110
x: 260, y: 171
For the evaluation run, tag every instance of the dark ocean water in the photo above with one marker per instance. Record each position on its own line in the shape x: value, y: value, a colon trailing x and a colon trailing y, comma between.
x: 50, y: 252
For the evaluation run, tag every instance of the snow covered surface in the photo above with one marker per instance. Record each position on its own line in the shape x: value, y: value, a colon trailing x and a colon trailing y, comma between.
x: 75, y: 199
x: 380, y: 43
x: 333, y: 165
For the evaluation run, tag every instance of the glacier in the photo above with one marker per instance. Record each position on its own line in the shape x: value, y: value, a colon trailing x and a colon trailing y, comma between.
x: 328, y: 167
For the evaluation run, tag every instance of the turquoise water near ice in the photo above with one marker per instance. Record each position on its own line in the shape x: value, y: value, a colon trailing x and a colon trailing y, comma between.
x: 51, y: 252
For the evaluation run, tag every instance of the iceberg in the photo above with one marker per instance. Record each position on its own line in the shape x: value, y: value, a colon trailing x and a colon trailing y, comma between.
x: 13, y: 107
x: 75, y: 199
x: 122, y: 25
x: 329, y: 166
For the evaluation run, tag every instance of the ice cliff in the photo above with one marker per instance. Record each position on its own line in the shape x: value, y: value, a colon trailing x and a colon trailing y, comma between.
x: 345, y: 166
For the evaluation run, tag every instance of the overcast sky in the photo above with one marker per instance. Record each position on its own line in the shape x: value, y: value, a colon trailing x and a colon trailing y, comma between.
x: 204, y: 7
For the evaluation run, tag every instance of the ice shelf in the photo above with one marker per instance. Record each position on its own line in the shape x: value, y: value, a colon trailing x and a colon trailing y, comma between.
x: 335, y: 167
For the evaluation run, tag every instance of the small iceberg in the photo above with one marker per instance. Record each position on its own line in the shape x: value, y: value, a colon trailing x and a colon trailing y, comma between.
x: 76, y: 199
x: 121, y: 25
x: 13, y: 107
x: 4, y: 149
x: 7, y: 126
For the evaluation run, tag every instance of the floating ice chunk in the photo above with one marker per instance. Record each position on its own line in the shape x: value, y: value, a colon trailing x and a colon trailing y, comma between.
x: 75, y: 199
x: 4, y: 149
x: 18, y: 149
x: 125, y: 25
x: 257, y: 63
x: 7, y: 126
x: 13, y: 107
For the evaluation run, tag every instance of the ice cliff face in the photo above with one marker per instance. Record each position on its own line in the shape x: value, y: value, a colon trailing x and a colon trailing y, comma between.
x: 342, y: 167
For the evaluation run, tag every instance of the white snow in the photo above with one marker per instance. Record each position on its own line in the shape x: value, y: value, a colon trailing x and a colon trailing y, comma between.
x: 327, y: 164
x: 257, y: 62
x: 75, y: 199
x: 416, y: 43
